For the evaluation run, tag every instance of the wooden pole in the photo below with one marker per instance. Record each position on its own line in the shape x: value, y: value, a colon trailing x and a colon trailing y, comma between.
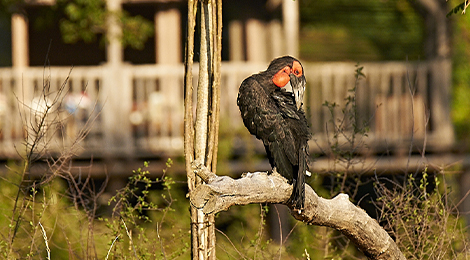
x: 201, y: 135
x: 188, y: 116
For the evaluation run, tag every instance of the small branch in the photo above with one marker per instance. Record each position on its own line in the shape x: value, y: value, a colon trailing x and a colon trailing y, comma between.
x: 202, y: 171
x: 188, y: 88
x: 222, y: 192
x: 44, y: 235
x: 111, y: 247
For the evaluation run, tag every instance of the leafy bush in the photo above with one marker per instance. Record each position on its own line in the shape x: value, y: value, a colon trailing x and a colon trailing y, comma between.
x: 423, y: 220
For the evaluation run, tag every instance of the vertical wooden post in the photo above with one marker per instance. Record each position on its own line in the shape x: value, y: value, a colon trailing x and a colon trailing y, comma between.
x: 202, y: 120
x: 114, y: 52
x: 20, y: 56
x: 441, y: 71
x: 188, y: 116
x: 201, y: 138
x: 437, y: 49
x: 168, y: 52
x: 116, y: 89
x: 19, y: 41
x: 276, y: 47
x: 235, y: 29
x: 290, y: 17
x: 22, y: 82
x: 256, y: 41
x: 167, y: 36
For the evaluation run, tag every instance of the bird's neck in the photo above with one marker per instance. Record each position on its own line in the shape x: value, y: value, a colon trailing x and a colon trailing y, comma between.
x: 265, y: 80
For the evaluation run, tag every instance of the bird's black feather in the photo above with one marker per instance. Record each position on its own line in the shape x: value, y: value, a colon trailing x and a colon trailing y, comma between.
x: 270, y: 114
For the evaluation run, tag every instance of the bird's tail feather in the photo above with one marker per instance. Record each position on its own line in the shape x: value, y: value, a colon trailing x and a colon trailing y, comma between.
x: 297, y: 199
x: 280, y: 161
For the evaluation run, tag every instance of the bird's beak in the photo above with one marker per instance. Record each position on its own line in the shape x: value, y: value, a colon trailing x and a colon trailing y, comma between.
x: 298, y: 89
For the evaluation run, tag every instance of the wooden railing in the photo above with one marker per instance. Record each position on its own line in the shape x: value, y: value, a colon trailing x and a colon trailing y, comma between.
x: 138, y: 110
x: 401, y: 103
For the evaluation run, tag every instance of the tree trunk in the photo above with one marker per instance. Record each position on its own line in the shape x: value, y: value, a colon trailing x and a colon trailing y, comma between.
x: 201, y: 138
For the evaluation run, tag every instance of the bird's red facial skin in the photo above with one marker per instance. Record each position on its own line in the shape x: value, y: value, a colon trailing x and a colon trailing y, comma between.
x: 281, y: 78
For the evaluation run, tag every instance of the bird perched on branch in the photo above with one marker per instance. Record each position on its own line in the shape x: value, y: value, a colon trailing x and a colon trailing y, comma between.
x: 270, y: 103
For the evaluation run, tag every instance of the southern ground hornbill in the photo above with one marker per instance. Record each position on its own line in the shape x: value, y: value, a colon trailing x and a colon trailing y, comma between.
x: 270, y: 103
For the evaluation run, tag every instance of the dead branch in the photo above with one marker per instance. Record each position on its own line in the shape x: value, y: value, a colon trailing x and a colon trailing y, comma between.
x: 221, y: 192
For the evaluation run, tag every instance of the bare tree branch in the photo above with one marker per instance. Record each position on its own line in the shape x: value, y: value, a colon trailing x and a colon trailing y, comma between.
x: 222, y: 192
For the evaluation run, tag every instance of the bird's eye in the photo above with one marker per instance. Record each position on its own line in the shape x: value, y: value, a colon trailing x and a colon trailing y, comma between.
x: 297, y: 69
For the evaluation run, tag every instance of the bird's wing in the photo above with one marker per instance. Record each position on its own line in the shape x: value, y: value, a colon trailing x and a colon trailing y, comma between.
x: 286, y: 104
x: 264, y: 119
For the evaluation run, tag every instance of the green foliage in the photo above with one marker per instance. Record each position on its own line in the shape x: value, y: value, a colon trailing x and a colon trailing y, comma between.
x: 55, y: 215
x: 422, y: 218
x: 136, y: 209
x: 87, y: 19
x: 461, y: 78
x: 42, y: 206
x: 135, y: 30
x: 360, y: 30
x: 150, y: 220
x: 346, y: 138
x: 241, y: 237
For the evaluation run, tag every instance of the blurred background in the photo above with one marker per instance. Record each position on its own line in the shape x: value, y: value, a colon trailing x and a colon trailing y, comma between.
x: 122, y: 64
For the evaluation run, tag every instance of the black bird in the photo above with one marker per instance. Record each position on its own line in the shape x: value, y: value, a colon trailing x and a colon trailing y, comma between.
x: 270, y: 103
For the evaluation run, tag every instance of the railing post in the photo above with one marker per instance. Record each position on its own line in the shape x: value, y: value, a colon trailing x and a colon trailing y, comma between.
x: 168, y: 52
x: 19, y: 40
x: 117, y: 98
x: 116, y: 91
x: 290, y: 15
x: 441, y: 72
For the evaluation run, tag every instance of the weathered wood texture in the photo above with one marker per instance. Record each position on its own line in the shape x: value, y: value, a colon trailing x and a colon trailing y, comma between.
x: 201, y: 138
x: 222, y: 192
